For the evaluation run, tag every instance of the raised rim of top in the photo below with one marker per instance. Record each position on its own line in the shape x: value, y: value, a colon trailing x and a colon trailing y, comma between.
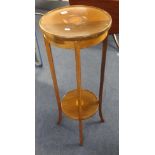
x: 78, y: 37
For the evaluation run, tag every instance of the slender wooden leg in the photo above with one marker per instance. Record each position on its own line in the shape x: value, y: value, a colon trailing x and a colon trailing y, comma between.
x: 52, y: 69
x: 81, y: 132
x: 116, y: 40
x: 78, y: 78
x: 104, y: 49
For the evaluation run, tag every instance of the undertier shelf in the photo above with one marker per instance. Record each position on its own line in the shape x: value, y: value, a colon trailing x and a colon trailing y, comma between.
x: 88, y: 104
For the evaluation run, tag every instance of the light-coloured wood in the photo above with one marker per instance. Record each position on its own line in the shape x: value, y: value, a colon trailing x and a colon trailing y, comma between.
x: 81, y: 132
x: 76, y: 27
x: 81, y: 43
x: 103, y: 60
x: 75, y: 22
x: 78, y: 82
x: 52, y: 69
x: 89, y: 104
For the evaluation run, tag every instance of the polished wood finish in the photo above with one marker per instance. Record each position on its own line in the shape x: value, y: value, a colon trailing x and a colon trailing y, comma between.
x: 78, y: 82
x: 81, y: 132
x: 52, y: 69
x: 75, y: 22
x: 88, y: 104
x: 77, y: 27
x: 103, y: 60
x: 111, y: 6
x: 83, y: 43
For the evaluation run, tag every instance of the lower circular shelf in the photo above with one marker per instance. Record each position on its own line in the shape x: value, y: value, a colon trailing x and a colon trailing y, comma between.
x: 89, y: 104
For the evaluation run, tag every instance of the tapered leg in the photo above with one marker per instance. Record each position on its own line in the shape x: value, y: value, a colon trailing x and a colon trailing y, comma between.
x: 78, y: 78
x: 81, y: 132
x: 116, y: 40
x: 52, y: 69
x: 104, y: 49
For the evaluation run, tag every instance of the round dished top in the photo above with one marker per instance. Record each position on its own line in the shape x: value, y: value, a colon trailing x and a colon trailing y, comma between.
x: 75, y: 22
